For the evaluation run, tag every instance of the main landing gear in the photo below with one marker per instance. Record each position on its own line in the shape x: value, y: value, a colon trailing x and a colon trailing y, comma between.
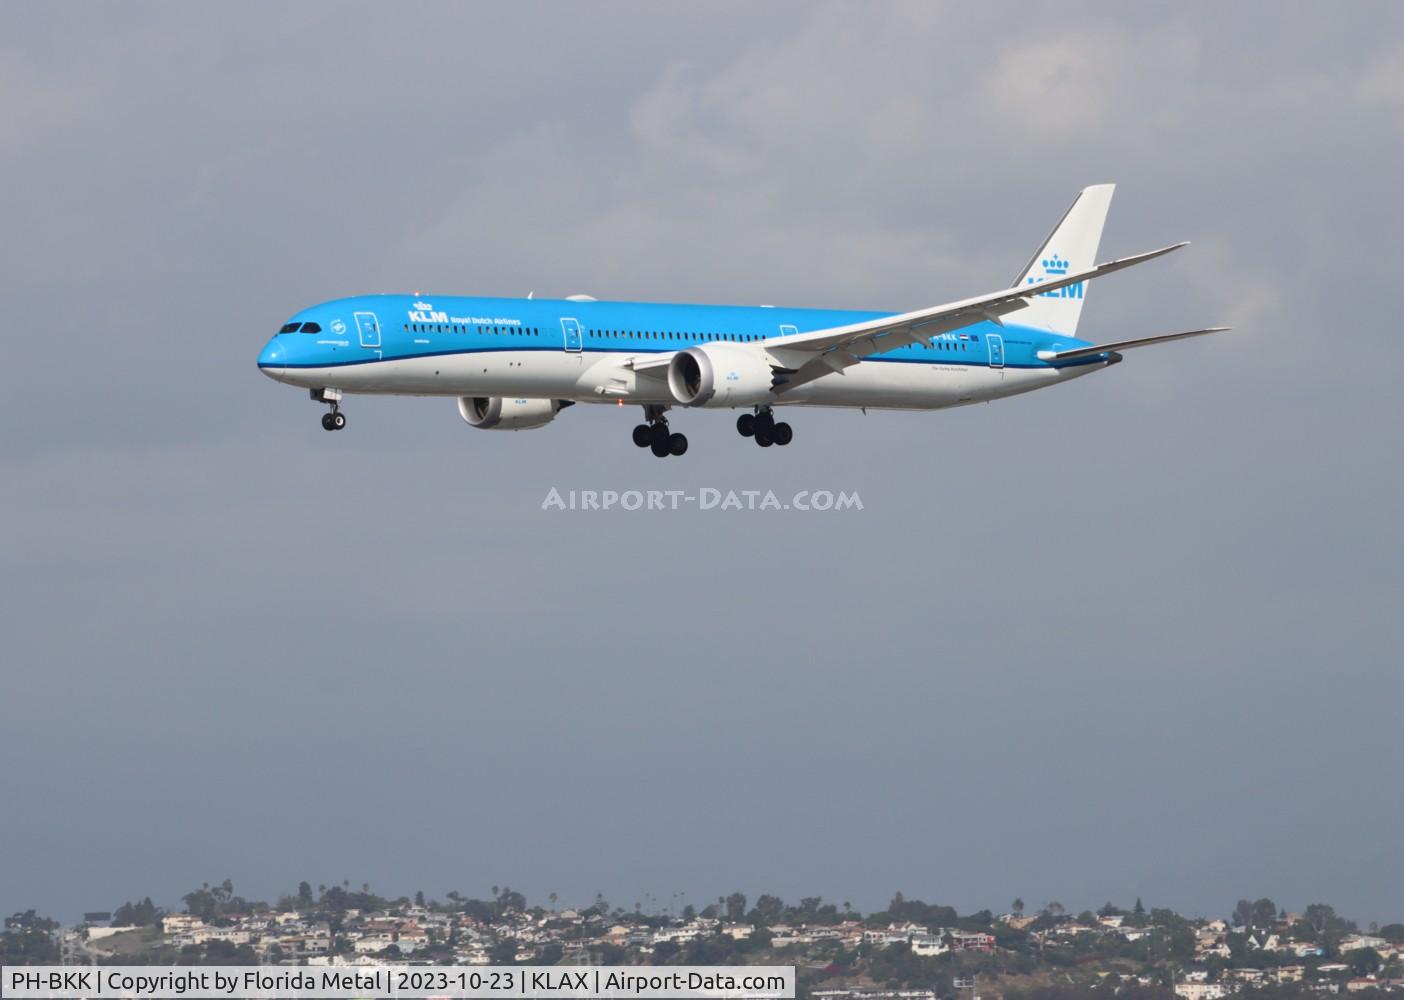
x: 655, y: 434
x: 761, y: 425
x: 334, y: 420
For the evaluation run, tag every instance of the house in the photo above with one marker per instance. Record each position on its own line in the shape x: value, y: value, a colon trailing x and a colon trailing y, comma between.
x: 928, y: 944
x: 180, y: 923
x: 963, y: 941
x: 789, y: 938
x: 1244, y: 975
x: 1201, y: 991
x: 315, y: 943
x: 1355, y: 942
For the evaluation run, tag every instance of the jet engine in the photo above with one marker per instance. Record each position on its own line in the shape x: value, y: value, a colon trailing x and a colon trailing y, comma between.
x: 719, y: 375
x: 493, y: 413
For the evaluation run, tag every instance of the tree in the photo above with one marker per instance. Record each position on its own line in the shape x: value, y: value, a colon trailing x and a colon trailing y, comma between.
x: 1365, y: 961
x: 768, y: 910
x: 1139, y: 911
x: 1319, y: 917
x: 509, y: 900
x: 304, y: 893
x: 419, y: 898
x: 28, y: 940
x: 142, y: 914
x: 1017, y: 906
x: 736, y: 907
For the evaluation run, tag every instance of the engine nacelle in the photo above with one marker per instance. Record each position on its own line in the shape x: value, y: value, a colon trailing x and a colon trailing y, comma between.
x: 493, y: 413
x: 719, y: 375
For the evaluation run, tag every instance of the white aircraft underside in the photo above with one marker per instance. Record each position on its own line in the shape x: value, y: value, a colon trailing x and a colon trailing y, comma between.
x: 589, y: 378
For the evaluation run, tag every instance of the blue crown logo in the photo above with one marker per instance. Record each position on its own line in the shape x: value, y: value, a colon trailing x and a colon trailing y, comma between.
x: 1055, y: 265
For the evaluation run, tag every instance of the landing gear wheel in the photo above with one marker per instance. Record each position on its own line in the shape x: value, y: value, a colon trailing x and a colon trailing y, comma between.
x: 658, y: 436
x: 782, y: 434
x: 746, y: 425
x: 327, y: 422
x: 765, y: 422
x: 661, y: 448
x: 677, y: 444
x: 338, y: 421
x: 764, y: 439
x: 642, y: 435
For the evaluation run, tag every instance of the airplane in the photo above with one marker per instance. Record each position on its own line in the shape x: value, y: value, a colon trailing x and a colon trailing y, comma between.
x: 514, y: 364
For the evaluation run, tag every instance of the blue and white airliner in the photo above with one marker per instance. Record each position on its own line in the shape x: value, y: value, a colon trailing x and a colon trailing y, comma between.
x: 514, y: 364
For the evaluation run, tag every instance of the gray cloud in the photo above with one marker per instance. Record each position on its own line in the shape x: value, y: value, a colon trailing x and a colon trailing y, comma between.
x: 1135, y: 637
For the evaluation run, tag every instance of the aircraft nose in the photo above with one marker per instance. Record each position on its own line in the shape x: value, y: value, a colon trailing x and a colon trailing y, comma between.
x: 273, y: 358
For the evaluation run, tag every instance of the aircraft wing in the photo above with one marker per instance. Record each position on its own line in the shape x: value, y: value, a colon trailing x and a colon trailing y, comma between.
x: 1123, y: 345
x: 807, y: 356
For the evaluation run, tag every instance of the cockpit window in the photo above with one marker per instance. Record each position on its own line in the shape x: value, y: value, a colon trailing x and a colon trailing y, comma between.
x: 290, y: 328
x: 311, y: 328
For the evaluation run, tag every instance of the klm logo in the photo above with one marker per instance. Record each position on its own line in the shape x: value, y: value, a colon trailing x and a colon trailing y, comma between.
x: 423, y: 312
x: 1057, y: 267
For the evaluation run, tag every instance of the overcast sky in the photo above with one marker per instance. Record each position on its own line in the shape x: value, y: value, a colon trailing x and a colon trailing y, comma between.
x: 1136, y: 636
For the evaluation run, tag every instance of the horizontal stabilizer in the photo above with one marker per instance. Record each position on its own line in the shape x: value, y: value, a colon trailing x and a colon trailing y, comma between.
x: 1091, y: 352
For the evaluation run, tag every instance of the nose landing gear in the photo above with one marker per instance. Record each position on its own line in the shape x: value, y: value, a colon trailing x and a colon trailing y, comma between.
x: 334, y: 420
x: 654, y: 434
x: 763, y: 427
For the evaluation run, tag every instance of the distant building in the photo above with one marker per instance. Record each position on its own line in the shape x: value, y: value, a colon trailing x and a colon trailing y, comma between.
x: 1355, y: 942
x: 963, y: 941
x: 1201, y: 991
x: 180, y: 923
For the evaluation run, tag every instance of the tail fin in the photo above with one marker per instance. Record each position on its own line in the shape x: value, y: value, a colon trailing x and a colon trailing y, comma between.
x: 1070, y: 248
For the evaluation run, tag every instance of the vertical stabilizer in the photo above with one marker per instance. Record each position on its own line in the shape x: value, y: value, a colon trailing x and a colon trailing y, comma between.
x: 1071, y: 247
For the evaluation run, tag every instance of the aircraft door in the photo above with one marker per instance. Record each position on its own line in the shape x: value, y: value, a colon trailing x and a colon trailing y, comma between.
x: 570, y: 328
x: 996, y: 345
x: 369, y: 329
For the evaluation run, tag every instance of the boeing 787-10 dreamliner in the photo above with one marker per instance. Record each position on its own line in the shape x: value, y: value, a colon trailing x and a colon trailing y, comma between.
x: 514, y: 364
